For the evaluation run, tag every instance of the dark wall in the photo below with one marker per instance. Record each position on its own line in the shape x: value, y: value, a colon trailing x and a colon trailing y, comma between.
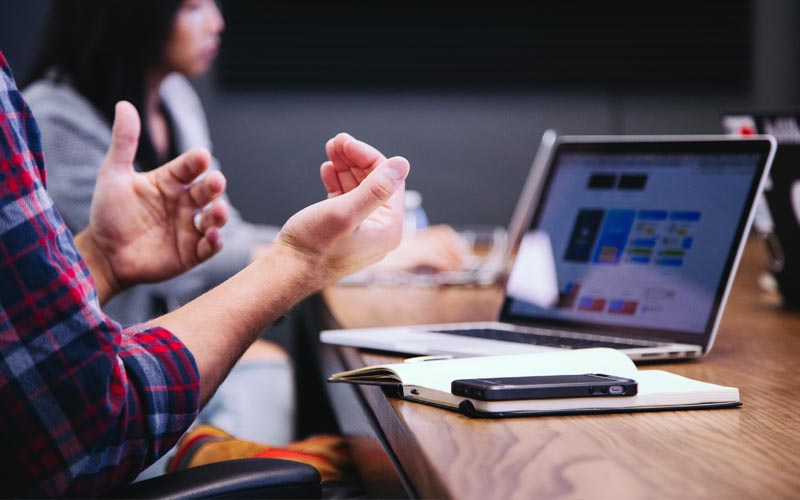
x: 20, y: 23
x: 470, y: 150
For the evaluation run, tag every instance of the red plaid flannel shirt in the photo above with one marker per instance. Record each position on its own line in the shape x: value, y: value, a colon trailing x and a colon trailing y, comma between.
x: 85, y: 405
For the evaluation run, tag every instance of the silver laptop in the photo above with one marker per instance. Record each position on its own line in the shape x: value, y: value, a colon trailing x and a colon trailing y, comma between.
x: 492, y: 251
x: 629, y: 242
x: 493, y: 265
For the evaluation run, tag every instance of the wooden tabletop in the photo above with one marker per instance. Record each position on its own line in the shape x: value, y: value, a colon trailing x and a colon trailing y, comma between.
x: 749, y: 452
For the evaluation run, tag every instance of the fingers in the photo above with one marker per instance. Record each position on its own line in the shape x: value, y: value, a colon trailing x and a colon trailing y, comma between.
x: 359, y: 154
x: 350, y: 161
x: 207, y: 189
x: 330, y: 179
x: 451, y: 242
x: 346, y: 150
x: 187, y: 167
x: 451, y: 260
x: 440, y: 263
x: 214, y: 215
x: 344, y: 174
x: 448, y: 259
x: 186, y: 170
x: 208, y: 222
x: 438, y: 247
x: 330, y: 148
x: 209, y: 244
x: 377, y: 189
x: 339, y: 152
x: 124, y: 137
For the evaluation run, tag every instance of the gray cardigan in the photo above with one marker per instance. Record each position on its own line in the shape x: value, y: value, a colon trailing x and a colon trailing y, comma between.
x: 75, y: 137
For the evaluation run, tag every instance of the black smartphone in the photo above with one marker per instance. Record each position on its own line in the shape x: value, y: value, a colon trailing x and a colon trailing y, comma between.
x: 543, y: 387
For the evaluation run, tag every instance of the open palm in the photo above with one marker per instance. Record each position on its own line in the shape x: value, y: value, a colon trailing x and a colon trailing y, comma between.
x: 143, y: 223
x: 363, y: 216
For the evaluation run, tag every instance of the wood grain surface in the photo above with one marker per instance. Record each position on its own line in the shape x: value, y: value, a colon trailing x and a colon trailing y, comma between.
x: 749, y: 452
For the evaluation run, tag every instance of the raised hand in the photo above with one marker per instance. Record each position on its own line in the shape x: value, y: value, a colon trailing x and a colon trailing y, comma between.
x: 145, y: 227
x: 360, y: 221
x: 349, y: 163
x: 362, y: 218
x: 438, y: 248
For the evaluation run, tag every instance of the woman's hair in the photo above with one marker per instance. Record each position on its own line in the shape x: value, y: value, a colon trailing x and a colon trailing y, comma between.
x: 104, y: 48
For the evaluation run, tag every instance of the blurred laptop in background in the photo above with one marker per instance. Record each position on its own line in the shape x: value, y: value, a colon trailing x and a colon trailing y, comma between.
x: 778, y: 215
x: 491, y: 250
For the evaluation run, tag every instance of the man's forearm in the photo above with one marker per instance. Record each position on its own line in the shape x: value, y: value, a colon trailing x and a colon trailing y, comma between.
x: 218, y: 326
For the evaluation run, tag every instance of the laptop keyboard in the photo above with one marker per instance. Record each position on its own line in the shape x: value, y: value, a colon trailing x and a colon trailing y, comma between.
x: 547, y: 340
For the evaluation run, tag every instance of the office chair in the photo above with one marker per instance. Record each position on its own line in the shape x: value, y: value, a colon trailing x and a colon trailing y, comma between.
x: 240, y: 478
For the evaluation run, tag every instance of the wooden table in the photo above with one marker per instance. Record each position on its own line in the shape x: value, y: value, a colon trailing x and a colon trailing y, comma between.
x: 410, y: 449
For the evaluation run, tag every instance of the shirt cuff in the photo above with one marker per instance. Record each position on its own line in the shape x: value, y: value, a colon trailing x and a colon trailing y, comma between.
x: 167, y: 382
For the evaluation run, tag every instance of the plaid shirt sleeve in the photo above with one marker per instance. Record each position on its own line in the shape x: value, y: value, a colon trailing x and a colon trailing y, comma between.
x: 84, y: 404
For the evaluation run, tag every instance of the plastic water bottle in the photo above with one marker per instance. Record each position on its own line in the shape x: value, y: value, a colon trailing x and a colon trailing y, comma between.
x: 415, y: 217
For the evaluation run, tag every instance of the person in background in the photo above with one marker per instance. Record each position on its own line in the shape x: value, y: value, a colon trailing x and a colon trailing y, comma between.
x: 86, y: 403
x: 97, y: 52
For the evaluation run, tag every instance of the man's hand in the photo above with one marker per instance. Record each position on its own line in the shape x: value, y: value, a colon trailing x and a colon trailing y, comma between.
x: 143, y: 226
x: 360, y: 221
x: 434, y: 249
x: 362, y: 218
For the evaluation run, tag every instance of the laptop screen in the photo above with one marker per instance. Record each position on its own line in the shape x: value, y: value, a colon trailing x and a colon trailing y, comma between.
x: 642, y: 236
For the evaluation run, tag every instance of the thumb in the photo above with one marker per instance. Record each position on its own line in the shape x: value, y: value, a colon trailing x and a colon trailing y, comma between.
x: 124, y: 136
x: 377, y: 188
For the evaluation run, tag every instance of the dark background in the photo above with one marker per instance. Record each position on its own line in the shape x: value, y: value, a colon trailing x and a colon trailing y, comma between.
x: 464, y: 92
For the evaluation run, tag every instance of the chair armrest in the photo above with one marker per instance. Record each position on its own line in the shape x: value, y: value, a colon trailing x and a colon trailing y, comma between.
x: 241, y: 478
